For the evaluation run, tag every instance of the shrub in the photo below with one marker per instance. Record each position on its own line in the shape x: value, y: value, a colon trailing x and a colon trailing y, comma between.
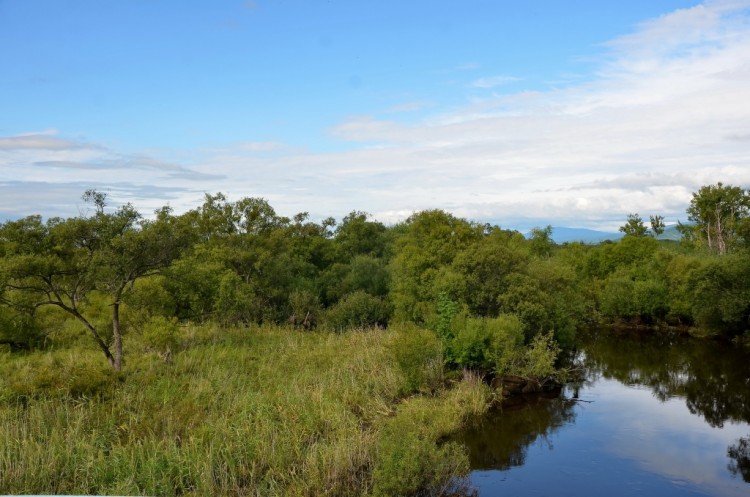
x: 358, y: 310
x: 160, y: 334
x: 305, y: 309
x: 486, y: 343
x: 418, y: 353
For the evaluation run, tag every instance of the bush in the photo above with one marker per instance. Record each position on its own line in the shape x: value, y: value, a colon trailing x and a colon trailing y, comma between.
x: 486, y: 344
x: 358, y: 310
x: 412, y: 455
x: 19, y: 330
x: 641, y: 300
x: 539, y: 357
x: 236, y: 301
x: 160, y: 334
x: 418, y: 353
x: 721, y: 295
x: 305, y: 309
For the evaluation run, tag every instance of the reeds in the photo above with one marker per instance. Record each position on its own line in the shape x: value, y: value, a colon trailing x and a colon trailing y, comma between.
x: 246, y: 411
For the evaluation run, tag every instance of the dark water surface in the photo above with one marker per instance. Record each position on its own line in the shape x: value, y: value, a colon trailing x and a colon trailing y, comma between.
x: 656, y: 415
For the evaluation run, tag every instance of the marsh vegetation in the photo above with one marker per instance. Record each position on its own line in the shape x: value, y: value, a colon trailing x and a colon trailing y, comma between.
x: 229, y: 350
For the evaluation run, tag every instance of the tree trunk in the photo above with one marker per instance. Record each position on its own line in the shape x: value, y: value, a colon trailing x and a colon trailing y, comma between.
x: 117, y: 336
x: 94, y: 333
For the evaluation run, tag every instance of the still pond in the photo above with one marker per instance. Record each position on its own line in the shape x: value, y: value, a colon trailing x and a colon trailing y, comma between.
x: 653, y: 414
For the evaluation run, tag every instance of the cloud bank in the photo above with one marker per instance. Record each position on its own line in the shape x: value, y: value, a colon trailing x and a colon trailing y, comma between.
x: 668, y: 110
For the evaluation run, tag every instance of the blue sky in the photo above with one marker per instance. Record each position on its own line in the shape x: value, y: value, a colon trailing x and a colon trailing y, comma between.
x: 570, y: 113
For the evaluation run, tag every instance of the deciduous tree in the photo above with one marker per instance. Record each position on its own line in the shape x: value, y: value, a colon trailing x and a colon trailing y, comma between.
x: 718, y: 212
x: 61, y: 262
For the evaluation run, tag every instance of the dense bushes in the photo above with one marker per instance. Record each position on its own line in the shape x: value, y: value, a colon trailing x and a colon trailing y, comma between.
x: 358, y: 310
x: 721, y: 295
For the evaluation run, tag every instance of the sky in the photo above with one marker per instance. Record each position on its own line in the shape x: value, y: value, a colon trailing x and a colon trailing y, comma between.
x: 570, y: 113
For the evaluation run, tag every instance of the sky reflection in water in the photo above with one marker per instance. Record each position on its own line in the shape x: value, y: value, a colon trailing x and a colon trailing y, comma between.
x: 625, y: 439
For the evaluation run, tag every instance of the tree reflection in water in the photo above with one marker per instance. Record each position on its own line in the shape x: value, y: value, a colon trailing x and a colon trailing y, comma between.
x: 739, y: 454
x: 501, y: 441
x: 712, y: 377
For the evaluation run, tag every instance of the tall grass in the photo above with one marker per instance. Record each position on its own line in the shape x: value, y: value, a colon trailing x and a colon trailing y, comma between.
x: 260, y: 411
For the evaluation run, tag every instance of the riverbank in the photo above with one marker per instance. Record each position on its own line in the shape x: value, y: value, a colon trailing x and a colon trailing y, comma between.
x: 242, y: 411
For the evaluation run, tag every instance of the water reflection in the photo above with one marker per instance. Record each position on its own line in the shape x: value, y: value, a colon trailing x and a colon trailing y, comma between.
x: 739, y: 454
x: 502, y: 440
x: 712, y: 377
x: 651, y: 414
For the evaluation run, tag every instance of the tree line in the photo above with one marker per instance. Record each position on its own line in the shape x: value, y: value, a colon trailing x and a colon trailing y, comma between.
x: 480, y: 288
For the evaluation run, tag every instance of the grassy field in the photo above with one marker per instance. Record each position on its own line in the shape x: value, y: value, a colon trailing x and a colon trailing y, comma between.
x: 246, y: 411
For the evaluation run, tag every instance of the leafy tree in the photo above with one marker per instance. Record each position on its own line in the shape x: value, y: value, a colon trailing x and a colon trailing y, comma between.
x: 426, y: 246
x: 541, y: 242
x: 358, y: 236
x: 62, y: 263
x: 485, y: 268
x: 719, y: 212
x: 634, y: 226
x: 657, y: 225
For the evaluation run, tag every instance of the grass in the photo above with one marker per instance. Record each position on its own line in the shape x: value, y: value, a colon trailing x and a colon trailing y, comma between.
x: 248, y: 411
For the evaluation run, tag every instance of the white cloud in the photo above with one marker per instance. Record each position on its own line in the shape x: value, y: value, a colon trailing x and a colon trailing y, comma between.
x: 667, y: 112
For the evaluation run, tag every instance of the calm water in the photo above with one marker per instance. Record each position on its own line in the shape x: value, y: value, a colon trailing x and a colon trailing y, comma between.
x: 658, y: 416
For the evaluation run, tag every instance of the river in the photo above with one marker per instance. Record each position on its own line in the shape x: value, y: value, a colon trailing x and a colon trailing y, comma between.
x: 654, y: 414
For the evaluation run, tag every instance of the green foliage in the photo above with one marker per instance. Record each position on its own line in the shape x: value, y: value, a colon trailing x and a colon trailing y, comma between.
x: 429, y: 242
x: 192, y: 282
x: 19, y: 330
x: 447, y: 310
x: 410, y: 458
x: 721, y: 294
x: 418, y: 352
x: 305, y: 309
x: 678, y: 273
x: 148, y: 298
x: 657, y: 225
x: 719, y: 212
x: 641, y: 300
x: 236, y: 301
x: 541, y: 243
x: 634, y: 226
x: 629, y: 251
x: 526, y: 298
x: 270, y: 412
x: 358, y: 236
x: 161, y: 335
x: 409, y: 463
x: 358, y: 310
x: 59, y: 263
x: 485, y: 344
x: 363, y: 272
x: 485, y: 268
x: 538, y: 360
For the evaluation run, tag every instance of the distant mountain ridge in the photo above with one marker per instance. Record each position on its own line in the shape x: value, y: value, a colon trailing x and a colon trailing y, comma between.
x: 563, y: 234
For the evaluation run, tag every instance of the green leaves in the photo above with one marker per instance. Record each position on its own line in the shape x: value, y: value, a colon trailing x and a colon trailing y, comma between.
x: 634, y: 226
x: 719, y: 212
